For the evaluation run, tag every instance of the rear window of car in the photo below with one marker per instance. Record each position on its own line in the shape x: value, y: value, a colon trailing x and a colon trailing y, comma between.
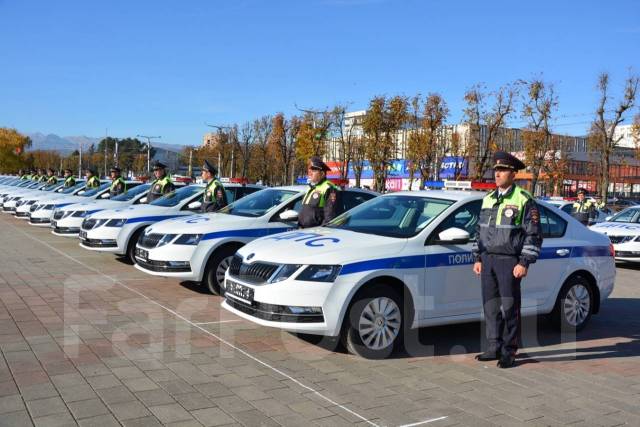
x: 552, y: 225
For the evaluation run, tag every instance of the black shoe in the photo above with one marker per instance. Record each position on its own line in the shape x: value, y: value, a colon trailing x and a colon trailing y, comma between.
x: 488, y: 356
x: 507, y: 361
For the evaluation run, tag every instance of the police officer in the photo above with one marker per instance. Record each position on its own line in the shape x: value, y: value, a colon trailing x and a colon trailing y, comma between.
x: 22, y: 174
x: 51, y: 177
x: 215, y: 198
x: 92, y: 180
x: 320, y: 204
x: 118, y: 185
x: 162, y: 184
x: 508, y: 240
x: 40, y: 176
x: 583, y: 210
x: 69, y: 179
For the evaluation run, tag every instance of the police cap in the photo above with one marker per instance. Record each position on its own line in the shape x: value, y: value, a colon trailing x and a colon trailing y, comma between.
x: 504, y: 160
x: 115, y: 169
x: 207, y: 166
x: 68, y: 171
x: 158, y: 165
x: 316, y: 163
x: 581, y: 191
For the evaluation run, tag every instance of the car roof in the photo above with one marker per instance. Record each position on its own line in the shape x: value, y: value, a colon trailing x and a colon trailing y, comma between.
x: 455, y: 195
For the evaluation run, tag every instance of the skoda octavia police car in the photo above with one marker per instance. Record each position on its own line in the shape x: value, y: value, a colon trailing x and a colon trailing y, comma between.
x: 200, y: 247
x: 10, y: 200
x: 623, y: 229
x: 118, y: 230
x: 23, y: 207
x: 403, y: 260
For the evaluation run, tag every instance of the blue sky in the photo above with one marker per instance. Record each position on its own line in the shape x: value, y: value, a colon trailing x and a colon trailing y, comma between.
x: 167, y: 67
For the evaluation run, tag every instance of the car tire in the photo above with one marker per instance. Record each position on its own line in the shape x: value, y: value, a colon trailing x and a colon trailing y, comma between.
x: 131, y: 246
x: 574, y: 305
x: 375, y: 323
x: 217, y: 265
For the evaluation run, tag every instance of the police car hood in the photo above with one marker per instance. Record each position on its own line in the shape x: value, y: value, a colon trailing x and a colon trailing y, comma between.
x: 69, y: 200
x: 154, y: 213
x: 93, y: 205
x: 203, y: 224
x: 617, y: 228
x: 321, y: 245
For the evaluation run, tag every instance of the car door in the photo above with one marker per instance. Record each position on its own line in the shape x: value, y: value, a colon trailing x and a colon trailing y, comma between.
x: 451, y: 286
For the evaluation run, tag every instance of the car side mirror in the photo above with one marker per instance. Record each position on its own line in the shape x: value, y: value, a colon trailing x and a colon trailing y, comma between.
x: 608, y: 218
x: 143, y: 200
x: 194, y: 205
x: 105, y: 195
x: 289, y: 216
x: 453, y: 235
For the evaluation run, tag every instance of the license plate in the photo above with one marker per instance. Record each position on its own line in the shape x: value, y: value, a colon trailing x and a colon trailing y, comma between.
x: 83, y: 235
x: 237, y: 290
x: 142, y: 254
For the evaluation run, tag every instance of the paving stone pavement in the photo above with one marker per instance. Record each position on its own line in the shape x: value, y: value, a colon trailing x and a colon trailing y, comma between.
x: 88, y: 340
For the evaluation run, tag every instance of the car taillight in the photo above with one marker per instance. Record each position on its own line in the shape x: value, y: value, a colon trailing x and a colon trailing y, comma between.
x: 612, y: 251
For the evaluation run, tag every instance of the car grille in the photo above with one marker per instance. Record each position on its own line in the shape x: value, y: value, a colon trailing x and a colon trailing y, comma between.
x: 66, y: 230
x: 160, y: 266
x: 22, y: 214
x: 273, y: 313
x: 58, y: 215
x: 620, y: 239
x: 97, y: 243
x: 256, y: 273
x: 150, y: 241
x: 33, y: 220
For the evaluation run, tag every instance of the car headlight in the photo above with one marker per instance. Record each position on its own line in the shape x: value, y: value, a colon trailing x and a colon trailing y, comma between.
x: 100, y: 222
x: 284, y: 272
x: 116, y: 222
x: 67, y: 213
x: 167, y: 238
x: 188, y: 239
x: 320, y: 273
x: 80, y: 214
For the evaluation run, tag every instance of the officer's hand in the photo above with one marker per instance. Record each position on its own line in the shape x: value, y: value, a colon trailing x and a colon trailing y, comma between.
x: 519, y: 271
x: 477, y: 267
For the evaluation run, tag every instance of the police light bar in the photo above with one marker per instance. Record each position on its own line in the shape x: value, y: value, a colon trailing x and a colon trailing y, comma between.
x: 457, y: 185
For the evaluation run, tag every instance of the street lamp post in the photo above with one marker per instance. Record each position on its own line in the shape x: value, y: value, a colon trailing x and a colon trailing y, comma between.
x: 148, y: 138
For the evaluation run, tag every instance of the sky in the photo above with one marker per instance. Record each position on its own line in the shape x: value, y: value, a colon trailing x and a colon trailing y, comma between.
x: 166, y: 68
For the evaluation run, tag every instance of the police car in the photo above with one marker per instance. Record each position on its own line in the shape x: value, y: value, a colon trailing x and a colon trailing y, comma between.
x: 23, y: 207
x: 623, y: 229
x: 403, y: 260
x: 200, y: 247
x: 47, y: 214
x: 567, y: 206
x: 71, y: 216
x: 118, y: 230
x: 13, y: 196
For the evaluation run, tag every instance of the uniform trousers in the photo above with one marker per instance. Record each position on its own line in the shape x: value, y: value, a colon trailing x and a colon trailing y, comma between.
x: 501, y: 299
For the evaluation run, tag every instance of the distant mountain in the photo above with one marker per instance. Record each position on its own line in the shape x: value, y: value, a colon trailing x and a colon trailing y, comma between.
x: 67, y: 144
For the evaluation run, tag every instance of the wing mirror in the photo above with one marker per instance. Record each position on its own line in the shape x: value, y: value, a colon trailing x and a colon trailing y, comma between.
x: 454, y: 235
x: 194, y: 205
x: 143, y: 200
x: 608, y: 218
x: 105, y: 195
x: 289, y: 216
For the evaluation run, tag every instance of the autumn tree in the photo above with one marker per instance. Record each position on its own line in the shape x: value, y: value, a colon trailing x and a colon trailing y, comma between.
x: 358, y: 157
x: 245, y: 139
x: 635, y: 135
x: 261, y: 158
x: 12, y: 146
x: 602, y: 136
x: 283, y: 140
x: 539, y: 105
x: 485, y: 122
x: 312, y: 133
x: 344, y: 133
x: 382, y: 122
x: 556, y: 164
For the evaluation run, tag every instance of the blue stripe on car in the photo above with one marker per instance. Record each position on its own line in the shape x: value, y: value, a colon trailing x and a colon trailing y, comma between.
x: 151, y: 218
x: 457, y: 258
x: 255, y: 232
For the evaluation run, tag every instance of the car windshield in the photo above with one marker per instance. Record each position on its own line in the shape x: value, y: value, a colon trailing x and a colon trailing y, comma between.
x: 175, y: 197
x: 50, y: 187
x: 130, y: 194
x: 95, y: 191
x: 627, y: 215
x: 258, y: 203
x: 70, y: 190
x: 392, y: 216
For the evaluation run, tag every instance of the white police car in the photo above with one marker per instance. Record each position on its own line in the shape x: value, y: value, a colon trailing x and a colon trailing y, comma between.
x: 51, y: 214
x: 118, y: 230
x: 200, y: 247
x: 25, y: 205
x: 567, y: 206
x: 71, y: 216
x: 13, y: 197
x: 404, y: 260
x: 623, y: 229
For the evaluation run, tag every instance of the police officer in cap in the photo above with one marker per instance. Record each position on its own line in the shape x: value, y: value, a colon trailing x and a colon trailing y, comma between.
x: 320, y: 204
x: 51, y: 177
x: 118, y: 185
x: 162, y: 184
x: 22, y: 174
x: 583, y: 210
x: 508, y: 240
x: 69, y: 179
x: 92, y: 180
x: 215, y: 198
x: 40, y: 176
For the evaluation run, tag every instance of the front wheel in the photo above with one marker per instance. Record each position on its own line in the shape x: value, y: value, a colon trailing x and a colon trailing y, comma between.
x: 217, y: 267
x: 574, y: 305
x: 131, y: 246
x: 374, y: 325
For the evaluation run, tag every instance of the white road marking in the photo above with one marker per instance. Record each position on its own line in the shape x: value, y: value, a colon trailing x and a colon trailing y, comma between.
x: 195, y: 325
x: 219, y: 321
x: 432, y: 420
